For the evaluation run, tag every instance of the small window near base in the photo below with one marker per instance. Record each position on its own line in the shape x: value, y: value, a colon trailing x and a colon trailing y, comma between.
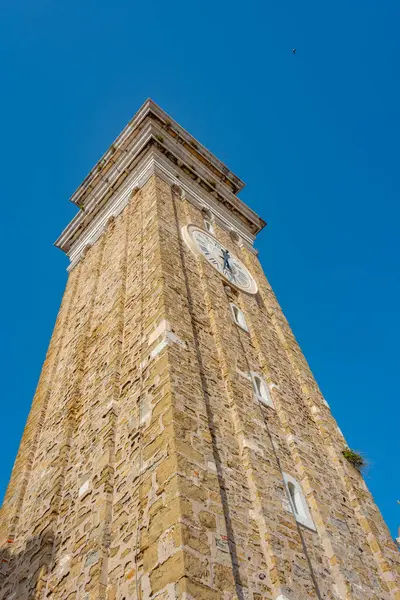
x: 297, y: 501
x: 238, y: 317
x: 261, y: 389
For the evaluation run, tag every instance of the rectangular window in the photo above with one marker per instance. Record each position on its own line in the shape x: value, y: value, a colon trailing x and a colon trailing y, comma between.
x: 297, y: 501
x: 261, y: 389
x: 238, y: 317
x: 208, y: 226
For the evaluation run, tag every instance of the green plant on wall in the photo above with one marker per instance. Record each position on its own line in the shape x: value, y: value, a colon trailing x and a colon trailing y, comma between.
x: 354, y: 458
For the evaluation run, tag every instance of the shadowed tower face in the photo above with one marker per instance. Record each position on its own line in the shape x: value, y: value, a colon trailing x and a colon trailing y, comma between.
x: 178, y: 445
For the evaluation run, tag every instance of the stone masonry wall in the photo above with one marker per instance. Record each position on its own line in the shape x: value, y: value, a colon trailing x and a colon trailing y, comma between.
x: 149, y: 470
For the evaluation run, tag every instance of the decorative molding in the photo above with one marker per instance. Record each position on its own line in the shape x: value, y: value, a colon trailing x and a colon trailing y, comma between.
x: 151, y: 114
x: 78, y: 236
x: 154, y: 143
x: 114, y: 207
x: 193, y: 192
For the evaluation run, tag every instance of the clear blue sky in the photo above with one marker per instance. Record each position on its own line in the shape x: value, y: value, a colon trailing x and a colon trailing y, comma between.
x: 315, y: 136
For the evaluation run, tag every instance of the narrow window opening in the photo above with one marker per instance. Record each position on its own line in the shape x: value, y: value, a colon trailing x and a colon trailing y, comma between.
x: 238, y: 317
x: 208, y: 226
x: 261, y: 389
x: 298, y: 503
x: 292, y: 494
x: 258, y: 385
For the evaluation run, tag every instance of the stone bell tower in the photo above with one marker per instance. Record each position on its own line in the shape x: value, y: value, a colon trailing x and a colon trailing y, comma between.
x: 178, y: 446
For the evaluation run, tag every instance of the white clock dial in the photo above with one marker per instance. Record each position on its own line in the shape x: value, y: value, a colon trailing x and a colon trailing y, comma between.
x: 230, y: 267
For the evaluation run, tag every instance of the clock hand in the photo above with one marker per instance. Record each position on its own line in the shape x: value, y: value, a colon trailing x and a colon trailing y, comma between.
x: 226, y: 257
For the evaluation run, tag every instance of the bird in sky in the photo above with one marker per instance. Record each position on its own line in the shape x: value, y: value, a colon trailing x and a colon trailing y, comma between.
x: 294, y: 50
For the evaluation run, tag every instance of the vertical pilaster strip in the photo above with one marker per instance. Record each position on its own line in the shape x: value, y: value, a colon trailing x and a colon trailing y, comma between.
x: 93, y: 453
x: 66, y: 420
x: 124, y: 523
x: 243, y: 411
x: 145, y: 505
x: 200, y: 454
x: 159, y: 561
x: 110, y: 418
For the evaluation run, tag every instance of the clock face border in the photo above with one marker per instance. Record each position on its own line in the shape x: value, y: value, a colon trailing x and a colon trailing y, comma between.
x: 192, y: 244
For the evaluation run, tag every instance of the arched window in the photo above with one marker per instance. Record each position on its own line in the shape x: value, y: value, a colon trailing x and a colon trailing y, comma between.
x: 238, y: 316
x: 261, y: 389
x: 298, y: 503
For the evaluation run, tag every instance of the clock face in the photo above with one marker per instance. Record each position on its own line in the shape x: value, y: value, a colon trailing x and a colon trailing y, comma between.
x: 201, y: 242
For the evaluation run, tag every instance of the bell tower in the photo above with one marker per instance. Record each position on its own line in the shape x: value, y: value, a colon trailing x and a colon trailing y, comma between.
x: 178, y: 446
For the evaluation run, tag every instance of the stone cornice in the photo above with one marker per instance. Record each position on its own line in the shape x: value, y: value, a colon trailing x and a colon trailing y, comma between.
x: 152, y: 132
x: 75, y: 239
x: 151, y: 111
